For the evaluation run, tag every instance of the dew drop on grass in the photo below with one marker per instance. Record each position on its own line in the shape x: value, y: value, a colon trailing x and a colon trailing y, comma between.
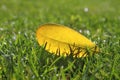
x: 55, y: 69
x: 12, y: 23
x: 103, y: 19
x: 62, y: 67
x: 106, y: 34
x: 33, y: 77
x: 118, y: 17
x: 19, y: 32
x: 4, y: 43
x: 86, y: 9
x: 6, y: 55
x: 0, y: 67
x: 14, y: 37
x: 87, y: 32
x: 41, y: 75
x: 1, y: 29
x: 57, y: 75
x: 10, y: 42
x: 4, y: 7
x: 104, y: 41
x: 114, y: 36
x: 80, y: 31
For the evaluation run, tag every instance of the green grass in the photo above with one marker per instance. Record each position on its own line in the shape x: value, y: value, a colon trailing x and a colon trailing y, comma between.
x: 21, y: 58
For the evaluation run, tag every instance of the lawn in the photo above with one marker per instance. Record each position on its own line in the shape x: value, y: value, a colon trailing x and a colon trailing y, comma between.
x: 21, y: 57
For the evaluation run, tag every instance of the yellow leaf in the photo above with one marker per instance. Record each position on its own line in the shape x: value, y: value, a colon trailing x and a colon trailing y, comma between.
x: 62, y: 40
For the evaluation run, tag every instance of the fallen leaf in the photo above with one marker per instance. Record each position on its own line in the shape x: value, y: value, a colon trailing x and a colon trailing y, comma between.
x: 62, y: 40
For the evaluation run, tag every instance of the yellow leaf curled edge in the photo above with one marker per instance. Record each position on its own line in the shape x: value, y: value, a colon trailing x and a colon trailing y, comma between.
x: 62, y: 40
